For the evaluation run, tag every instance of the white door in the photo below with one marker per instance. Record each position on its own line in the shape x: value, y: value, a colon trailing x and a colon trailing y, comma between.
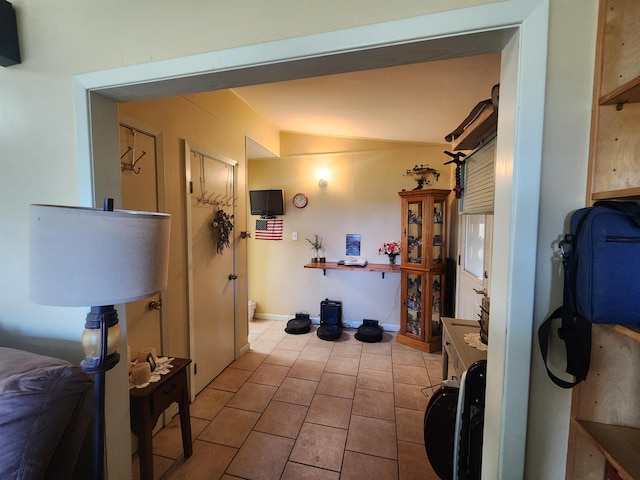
x: 139, y: 192
x: 210, y: 190
x: 474, y: 264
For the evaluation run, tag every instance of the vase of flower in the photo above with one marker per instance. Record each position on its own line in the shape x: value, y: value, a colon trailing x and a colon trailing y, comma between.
x: 316, y: 245
x: 391, y: 250
x: 423, y: 174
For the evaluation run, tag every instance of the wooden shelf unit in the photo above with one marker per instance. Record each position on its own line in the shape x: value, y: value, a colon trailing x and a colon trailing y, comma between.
x: 605, y: 418
x: 423, y: 268
x: 371, y: 267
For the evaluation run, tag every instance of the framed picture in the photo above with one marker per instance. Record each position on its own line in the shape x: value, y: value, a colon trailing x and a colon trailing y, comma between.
x: 353, y: 244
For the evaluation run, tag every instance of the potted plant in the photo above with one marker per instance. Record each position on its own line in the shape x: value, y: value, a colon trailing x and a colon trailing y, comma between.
x: 391, y: 249
x: 316, y: 244
x: 421, y: 174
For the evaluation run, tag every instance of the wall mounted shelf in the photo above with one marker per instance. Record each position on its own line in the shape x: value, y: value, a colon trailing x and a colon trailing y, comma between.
x: 372, y: 267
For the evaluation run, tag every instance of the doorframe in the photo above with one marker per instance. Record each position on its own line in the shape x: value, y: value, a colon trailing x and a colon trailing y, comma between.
x: 161, y: 201
x: 521, y: 28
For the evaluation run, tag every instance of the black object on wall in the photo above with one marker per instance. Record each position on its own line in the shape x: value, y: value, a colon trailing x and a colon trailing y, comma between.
x: 9, y: 46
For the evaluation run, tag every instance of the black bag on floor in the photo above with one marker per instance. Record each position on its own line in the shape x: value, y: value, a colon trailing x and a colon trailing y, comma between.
x: 601, y: 258
x: 299, y: 325
x: 369, y: 331
x: 330, y: 320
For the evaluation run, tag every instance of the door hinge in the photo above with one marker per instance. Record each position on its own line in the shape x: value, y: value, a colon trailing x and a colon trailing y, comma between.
x: 190, y: 187
x: 458, y: 260
x: 195, y: 368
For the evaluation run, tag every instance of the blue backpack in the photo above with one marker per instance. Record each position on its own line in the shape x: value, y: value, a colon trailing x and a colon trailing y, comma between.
x: 601, y: 258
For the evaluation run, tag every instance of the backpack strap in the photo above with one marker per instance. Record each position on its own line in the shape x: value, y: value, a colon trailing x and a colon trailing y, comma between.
x: 575, y: 330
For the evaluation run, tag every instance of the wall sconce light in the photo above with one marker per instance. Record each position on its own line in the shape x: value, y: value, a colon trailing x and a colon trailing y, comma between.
x: 323, y: 177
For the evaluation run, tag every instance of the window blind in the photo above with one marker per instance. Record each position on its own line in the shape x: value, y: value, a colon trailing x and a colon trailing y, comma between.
x: 479, y: 180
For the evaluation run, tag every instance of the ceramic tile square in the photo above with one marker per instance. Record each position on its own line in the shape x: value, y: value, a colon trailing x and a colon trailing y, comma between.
x: 319, y: 446
x: 263, y: 346
x: 373, y: 437
x: 273, y: 335
x: 307, y: 370
x: 411, y: 396
x: 337, y: 385
x: 410, y: 374
x: 298, y: 471
x: 330, y: 411
x: 209, y: 402
x: 268, y: 374
x: 283, y: 419
x: 253, y: 397
x: 249, y: 361
x: 371, y: 403
x: 208, y: 461
x: 230, y: 427
x: 348, y: 350
x: 348, y: 336
x: 316, y: 341
x: 277, y: 325
x: 231, y: 379
x: 317, y: 354
x: 293, y: 342
x: 414, y: 358
x: 168, y: 441
x: 346, y: 366
x: 259, y: 325
x: 358, y: 466
x: 378, y: 348
x: 434, y: 369
x: 262, y: 457
x: 295, y: 390
x: 160, y: 466
x: 282, y: 357
x: 410, y: 425
x: 375, y: 380
x: 376, y: 362
x: 413, y: 463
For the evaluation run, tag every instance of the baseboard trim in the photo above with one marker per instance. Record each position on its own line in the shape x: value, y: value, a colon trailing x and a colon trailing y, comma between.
x: 387, y: 327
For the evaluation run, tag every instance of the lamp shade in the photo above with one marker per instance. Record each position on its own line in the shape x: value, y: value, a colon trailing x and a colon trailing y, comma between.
x: 90, y: 257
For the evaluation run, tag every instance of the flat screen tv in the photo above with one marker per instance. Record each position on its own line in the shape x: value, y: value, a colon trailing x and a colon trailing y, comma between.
x: 266, y: 203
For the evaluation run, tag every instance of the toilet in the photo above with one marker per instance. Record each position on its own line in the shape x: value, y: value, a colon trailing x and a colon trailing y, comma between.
x: 252, y: 309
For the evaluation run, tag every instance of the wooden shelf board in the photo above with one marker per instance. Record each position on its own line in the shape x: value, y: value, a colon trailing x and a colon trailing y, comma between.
x: 631, y: 332
x: 619, y: 445
x: 372, y: 267
x: 626, y: 193
x: 627, y: 93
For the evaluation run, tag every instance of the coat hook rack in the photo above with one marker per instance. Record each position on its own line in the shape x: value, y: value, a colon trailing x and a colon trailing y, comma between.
x: 131, y: 166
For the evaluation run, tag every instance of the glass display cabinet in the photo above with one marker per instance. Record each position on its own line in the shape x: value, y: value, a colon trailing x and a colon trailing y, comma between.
x: 422, y: 269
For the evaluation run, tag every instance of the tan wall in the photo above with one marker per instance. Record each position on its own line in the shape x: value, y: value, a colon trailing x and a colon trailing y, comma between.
x: 361, y: 197
x: 217, y: 122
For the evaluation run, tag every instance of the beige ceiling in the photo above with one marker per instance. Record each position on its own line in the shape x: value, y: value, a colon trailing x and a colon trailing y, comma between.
x: 421, y: 102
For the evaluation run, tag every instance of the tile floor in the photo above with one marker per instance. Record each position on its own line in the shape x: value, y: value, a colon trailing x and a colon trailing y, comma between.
x: 298, y: 407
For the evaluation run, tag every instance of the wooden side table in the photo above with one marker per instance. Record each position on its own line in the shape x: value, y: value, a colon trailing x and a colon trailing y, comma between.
x: 146, y: 406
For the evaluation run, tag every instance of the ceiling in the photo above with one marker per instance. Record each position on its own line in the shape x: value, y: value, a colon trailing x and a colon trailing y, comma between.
x: 420, y: 102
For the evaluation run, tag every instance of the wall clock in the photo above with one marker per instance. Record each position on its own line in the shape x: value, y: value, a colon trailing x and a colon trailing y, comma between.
x: 300, y: 200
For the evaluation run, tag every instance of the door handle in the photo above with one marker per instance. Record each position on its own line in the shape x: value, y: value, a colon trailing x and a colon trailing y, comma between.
x: 232, y: 276
x: 155, y: 305
x: 481, y: 292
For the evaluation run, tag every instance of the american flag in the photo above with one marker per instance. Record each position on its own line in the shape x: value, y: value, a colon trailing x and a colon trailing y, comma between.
x: 269, y: 229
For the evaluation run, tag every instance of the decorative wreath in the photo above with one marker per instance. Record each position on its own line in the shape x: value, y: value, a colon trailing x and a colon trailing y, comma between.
x: 221, y: 226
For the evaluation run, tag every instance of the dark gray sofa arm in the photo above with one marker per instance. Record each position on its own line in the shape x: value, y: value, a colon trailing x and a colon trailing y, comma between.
x: 46, y: 408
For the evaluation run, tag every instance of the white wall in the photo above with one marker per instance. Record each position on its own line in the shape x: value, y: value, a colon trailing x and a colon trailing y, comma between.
x: 66, y: 38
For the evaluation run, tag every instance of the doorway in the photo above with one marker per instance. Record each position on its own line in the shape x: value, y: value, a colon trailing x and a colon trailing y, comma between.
x: 519, y: 148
